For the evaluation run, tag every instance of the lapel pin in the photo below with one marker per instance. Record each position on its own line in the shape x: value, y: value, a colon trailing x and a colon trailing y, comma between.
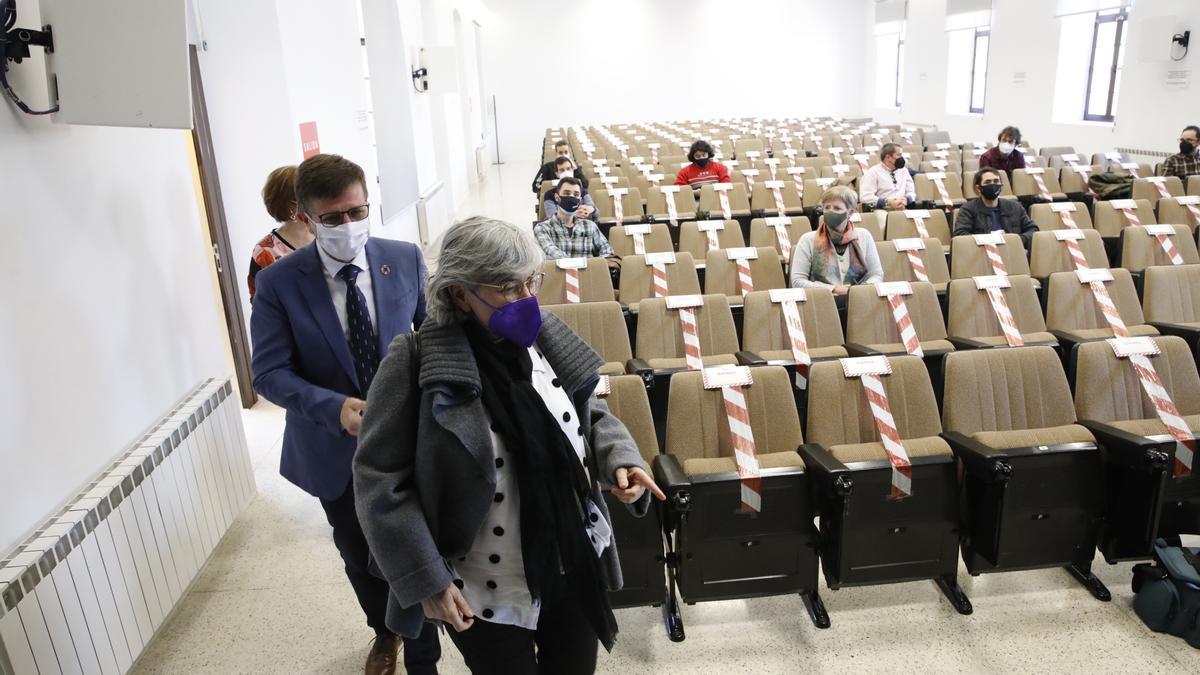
x: 385, y: 270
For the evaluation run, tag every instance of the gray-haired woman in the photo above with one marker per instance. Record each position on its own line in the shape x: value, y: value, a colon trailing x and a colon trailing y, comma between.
x: 478, y: 467
x: 837, y: 255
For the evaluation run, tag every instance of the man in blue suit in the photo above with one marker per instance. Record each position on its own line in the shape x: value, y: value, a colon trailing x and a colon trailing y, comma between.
x: 323, y: 318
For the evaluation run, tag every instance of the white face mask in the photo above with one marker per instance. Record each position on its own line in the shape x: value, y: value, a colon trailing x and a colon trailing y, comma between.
x: 344, y: 242
x: 1006, y: 148
x: 564, y: 174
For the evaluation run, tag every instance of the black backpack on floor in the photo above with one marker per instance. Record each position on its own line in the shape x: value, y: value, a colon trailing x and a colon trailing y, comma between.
x: 1167, y: 593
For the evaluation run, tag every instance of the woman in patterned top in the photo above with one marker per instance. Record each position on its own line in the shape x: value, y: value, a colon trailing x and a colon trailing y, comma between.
x: 279, y: 196
x: 837, y: 255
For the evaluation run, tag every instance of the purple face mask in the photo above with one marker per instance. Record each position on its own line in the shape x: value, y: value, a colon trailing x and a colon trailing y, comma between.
x: 519, y: 321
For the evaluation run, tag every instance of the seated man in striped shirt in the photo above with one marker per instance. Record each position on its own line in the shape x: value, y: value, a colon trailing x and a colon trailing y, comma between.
x: 566, y: 234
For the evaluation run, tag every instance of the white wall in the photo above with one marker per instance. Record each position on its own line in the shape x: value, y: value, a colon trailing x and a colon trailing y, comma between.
x: 109, y: 315
x: 633, y: 60
x: 1025, y: 38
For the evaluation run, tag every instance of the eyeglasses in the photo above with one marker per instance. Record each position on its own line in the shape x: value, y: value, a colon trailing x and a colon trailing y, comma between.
x: 512, y: 290
x: 335, y: 218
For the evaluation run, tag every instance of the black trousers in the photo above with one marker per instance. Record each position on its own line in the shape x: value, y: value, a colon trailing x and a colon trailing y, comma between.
x: 421, y: 654
x: 563, y: 644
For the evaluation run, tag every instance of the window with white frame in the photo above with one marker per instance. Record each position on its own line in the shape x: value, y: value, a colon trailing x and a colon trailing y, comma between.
x: 889, y: 52
x: 968, y: 36
x: 1091, y: 55
x: 1104, y: 68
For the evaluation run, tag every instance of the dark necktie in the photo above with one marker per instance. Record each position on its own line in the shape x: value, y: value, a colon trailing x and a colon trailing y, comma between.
x: 364, y: 349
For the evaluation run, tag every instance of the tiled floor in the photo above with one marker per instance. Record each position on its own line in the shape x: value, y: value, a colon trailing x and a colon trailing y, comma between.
x: 273, y: 599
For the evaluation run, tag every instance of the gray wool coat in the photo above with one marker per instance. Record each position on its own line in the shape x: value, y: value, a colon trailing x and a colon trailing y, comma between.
x: 424, y: 471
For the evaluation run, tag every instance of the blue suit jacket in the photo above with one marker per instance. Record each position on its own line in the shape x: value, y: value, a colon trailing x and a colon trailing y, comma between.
x: 302, y: 362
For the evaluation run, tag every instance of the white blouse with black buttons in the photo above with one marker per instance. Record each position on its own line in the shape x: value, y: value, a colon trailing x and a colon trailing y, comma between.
x: 492, y: 575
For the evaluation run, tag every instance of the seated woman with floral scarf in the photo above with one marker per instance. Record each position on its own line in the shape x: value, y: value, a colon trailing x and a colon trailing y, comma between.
x: 837, y: 255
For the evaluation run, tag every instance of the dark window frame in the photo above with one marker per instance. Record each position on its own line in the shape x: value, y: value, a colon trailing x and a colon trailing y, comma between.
x: 1109, y: 115
x: 979, y: 33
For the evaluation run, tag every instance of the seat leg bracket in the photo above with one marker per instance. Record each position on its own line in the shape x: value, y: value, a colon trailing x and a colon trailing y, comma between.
x: 948, y: 585
x: 816, y: 609
x: 1083, y: 574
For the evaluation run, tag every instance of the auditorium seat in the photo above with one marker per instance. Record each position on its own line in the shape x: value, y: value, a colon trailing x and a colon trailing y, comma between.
x: 721, y: 552
x: 1110, y: 220
x: 631, y: 204
x: 972, y: 323
x: 896, y: 266
x: 1174, y: 210
x: 843, y: 174
x: 1074, y: 317
x: 1171, y: 300
x: 637, y: 278
x: 1146, y: 187
x: 1032, y: 478
x: 721, y: 271
x: 1048, y: 254
x: 1145, y: 500
x: 602, y: 326
x: 639, y: 541
x: 762, y: 230
x: 903, y: 225
x: 1025, y: 187
x: 927, y: 191
x: 871, y: 325
x: 762, y: 198
x: 1140, y: 248
x: 695, y: 242
x: 656, y: 204
x: 766, y: 336
x: 969, y: 259
x: 595, y: 283
x: 656, y: 236
x: 710, y: 202
x: 1074, y: 179
x: 867, y: 537
x: 660, y: 334
x: 1129, y: 168
x: 1047, y: 218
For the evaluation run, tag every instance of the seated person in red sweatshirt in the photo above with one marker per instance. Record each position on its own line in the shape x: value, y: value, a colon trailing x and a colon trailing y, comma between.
x: 703, y: 169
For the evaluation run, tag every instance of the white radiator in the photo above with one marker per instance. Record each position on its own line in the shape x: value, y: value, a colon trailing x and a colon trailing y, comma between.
x: 86, y: 592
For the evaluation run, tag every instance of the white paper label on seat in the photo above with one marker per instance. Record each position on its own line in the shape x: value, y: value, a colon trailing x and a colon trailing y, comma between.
x: 1123, y: 204
x: 914, y: 214
x: 645, y: 168
x: 654, y: 146
x: 1069, y: 158
x: 1156, y: 230
x: 789, y: 152
x: 826, y: 182
x: 866, y: 365
x: 1081, y: 169
x: 775, y: 221
x: 795, y: 170
x: 722, y: 187
x: 937, y: 175
x: 1094, y: 274
x: 603, y: 387
x: 1059, y: 207
x: 1129, y: 165
x: 662, y: 257
x: 710, y: 225
x: 670, y: 189
x: 992, y: 281
x: 637, y: 160
x: 684, y: 301
x: 836, y: 151
x: 1189, y: 200
x: 618, y: 192
x: 609, y: 180
x: 859, y: 158
x: 773, y: 184
x: 600, y: 161
x: 1068, y: 235
x: 893, y: 288
x: 657, y: 177
x: 870, y: 148
x: 913, y: 244
x: 940, y: 154
x: 1130, y: 346
x: 995, y: 237
x: 840, y: 168
x: 744, y: 253
x: 942, y: 146
x: 1034, y: 170
x: 571, y: 263
x: 643, y: 229
x: 771, y: 161
x: 940, y: 164
x: 753, y: 154
x: 856, y: 217
x: 1113, y: 156
x: 1157, y: 180
x: 727, y: 375
x: 750, y: 172
x: 786, y: 294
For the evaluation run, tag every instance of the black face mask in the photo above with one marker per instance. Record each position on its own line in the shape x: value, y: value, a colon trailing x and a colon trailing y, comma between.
x: 568, y: 203
x: 899, y: 163
x: 1186, y: 148
x: 700, y: 162
x: 991, y: 191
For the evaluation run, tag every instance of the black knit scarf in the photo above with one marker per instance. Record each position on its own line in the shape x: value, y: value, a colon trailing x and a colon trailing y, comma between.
x: 560, y: 561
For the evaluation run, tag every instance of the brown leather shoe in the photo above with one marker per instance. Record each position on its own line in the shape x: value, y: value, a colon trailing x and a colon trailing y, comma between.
x: 382, y: 659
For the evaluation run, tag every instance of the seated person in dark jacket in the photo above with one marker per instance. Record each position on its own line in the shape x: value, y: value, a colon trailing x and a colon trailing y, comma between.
x: 548, y: 172
x: 988, y: 212
x: 587, y: 207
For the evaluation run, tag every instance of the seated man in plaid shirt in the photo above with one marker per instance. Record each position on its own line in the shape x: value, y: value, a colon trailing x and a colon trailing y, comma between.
x: 1187, y: 162
x: 564, y: 235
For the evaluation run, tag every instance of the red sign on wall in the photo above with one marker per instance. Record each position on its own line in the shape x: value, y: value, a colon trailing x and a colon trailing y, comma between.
x: 309, y: 144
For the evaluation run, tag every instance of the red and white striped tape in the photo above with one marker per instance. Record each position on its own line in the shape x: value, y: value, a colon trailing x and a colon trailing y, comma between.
x: 789, y: 299
x: 1036, y: 174
x: 686, y: 306
x: 776, y: 188
x: 918, y: 218
x: 659, y: 272
x: 1192, y: 204
x: 639, y: 243
x: 1138, y: 351
x: 939, y: 182
x: 742, y: 257
x: 668, y: 192
x: 990, y: 243
x: 797, y: 174
x: 1072, y: 242
x: 710, y: 229
x: 1131, y: 167
x: 722, y: 189
x: 732, y: 381
x: 618, y: 204
x: 885, y: 424
x: 783, y: 240
x: 1160, y: 183
x: 912, y: 248
x: 572, y: 285
x: 1128, y: 207
x: 894, y: 292
x: 1163, y: 234
x: 750, y: 175
x: 994, y: 287
x: 1095, y: 279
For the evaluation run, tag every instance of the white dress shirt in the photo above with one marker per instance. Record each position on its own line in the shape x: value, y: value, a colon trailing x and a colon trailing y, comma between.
x: 879, y: 183
x: 492, y: 575
x: 337, y: 287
